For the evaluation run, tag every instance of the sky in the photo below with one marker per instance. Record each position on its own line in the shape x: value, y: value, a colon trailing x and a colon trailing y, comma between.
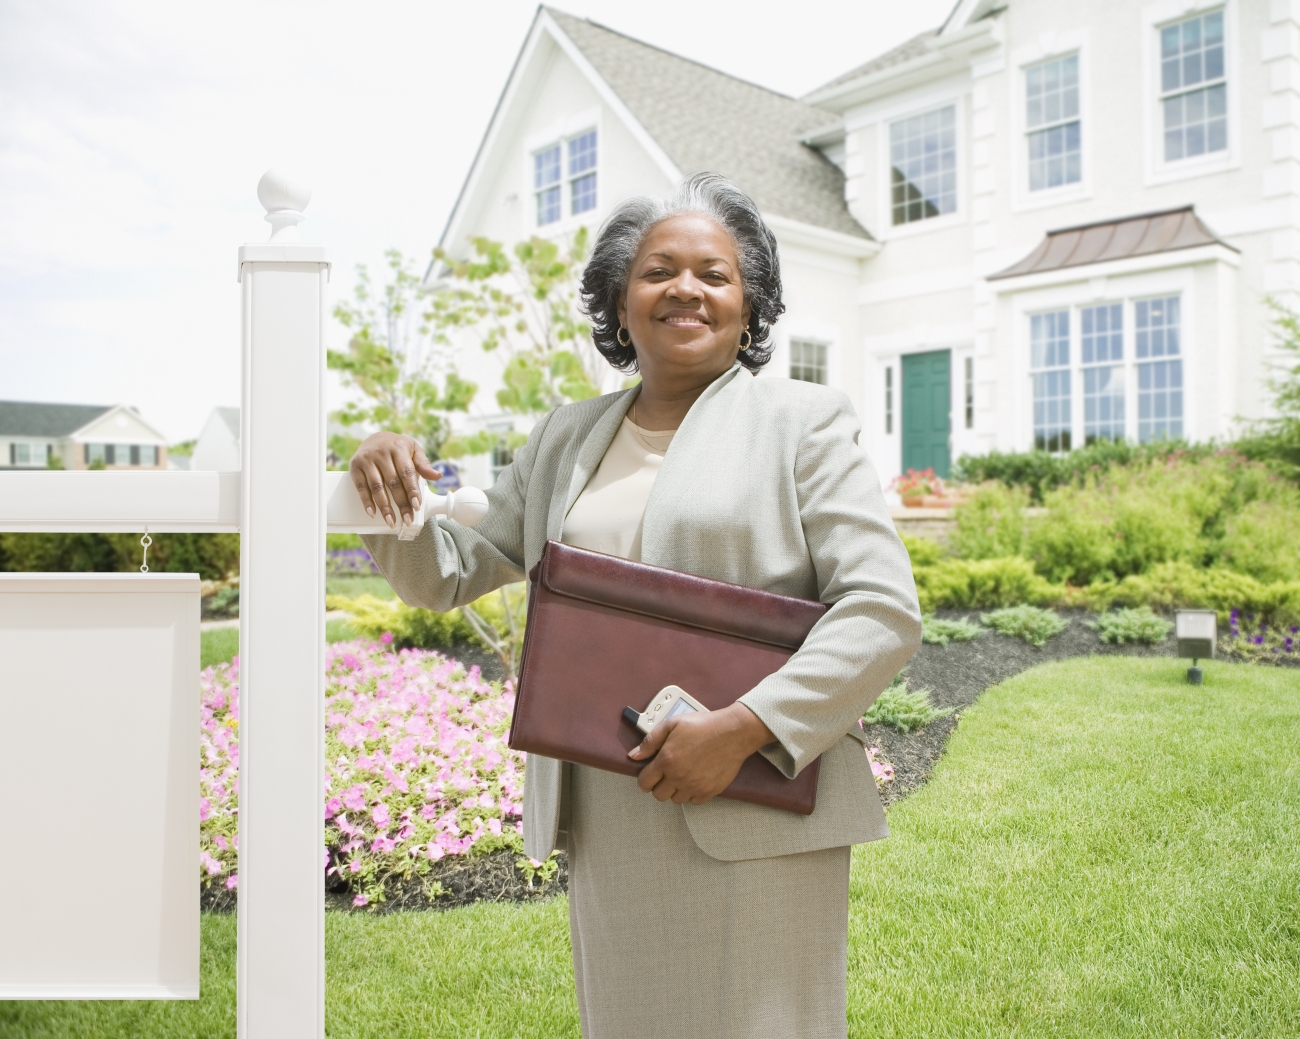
x: 133, y: 134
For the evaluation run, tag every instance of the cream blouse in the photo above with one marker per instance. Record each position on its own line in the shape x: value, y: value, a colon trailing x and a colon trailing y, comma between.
x: 608, y: 513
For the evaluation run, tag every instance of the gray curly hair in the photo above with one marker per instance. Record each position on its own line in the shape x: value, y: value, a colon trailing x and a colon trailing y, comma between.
x: 604, y: 280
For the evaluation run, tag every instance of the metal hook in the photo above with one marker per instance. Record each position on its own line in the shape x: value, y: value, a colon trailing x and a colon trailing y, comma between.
x: 145, y: 542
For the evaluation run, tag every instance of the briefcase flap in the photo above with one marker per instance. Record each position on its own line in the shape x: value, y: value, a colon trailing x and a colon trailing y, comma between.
x: 654, y: 591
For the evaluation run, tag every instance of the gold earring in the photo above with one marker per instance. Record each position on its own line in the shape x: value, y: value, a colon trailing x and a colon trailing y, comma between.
x: 619, y: 336
x: 746, y: 340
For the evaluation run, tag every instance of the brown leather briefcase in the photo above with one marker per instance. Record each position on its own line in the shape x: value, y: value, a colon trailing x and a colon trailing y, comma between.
x: 606, y: 633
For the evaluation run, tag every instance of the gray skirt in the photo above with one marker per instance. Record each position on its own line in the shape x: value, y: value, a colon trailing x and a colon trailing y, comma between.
x: 669, y: 943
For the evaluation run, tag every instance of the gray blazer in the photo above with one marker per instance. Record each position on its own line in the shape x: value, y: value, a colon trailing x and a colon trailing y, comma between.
x: 764, y: 485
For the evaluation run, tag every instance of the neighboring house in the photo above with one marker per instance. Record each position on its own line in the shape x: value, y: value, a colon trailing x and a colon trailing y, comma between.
x: 217, y: 448
x: 77, y: 436
x: 1038, y: 225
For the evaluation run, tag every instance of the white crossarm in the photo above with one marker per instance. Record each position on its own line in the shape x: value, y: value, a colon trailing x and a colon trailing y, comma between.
x: 116, y: 502
x: 171, y: 502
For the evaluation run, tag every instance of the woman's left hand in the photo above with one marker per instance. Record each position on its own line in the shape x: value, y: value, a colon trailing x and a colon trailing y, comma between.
x: 696, y: 756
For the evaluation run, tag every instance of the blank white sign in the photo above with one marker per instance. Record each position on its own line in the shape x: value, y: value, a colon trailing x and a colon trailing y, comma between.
x: 99, y: 786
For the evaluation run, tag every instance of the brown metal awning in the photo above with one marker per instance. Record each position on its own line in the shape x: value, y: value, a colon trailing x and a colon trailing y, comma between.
x: 1139, y: 235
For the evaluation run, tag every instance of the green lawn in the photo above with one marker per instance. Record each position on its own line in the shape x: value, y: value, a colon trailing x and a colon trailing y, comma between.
x: 371, y: 584
x: 219, y: 645
x: 1104, y: 851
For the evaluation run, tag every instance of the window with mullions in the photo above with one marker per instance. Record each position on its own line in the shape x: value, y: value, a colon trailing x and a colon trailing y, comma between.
x: 1049, y: 346
x: 1193, y: 87
x: 582, y: 170
x: 1101, y: 346
x: 923, y: 160
x: 546, y: 184
x: 1160, y: 382
x: 808, y: 361
x: 1052, y: 123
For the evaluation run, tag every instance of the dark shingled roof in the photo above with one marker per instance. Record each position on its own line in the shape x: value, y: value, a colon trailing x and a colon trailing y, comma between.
x: 913, y: 48
x: 1140, y: 235
x: 706, y: 120
x: 21, y: 418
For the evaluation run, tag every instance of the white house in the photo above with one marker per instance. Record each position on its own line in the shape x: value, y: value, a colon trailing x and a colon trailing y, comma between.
x: 1039, y: 224
x: 217, y: 447
x: 77, y: 436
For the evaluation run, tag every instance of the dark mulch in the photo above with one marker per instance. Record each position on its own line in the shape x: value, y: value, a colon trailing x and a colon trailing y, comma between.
x: 493, y: 877
x: 957, y: 673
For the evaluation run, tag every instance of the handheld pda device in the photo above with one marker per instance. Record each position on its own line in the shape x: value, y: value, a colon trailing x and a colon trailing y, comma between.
x: 671, y: 700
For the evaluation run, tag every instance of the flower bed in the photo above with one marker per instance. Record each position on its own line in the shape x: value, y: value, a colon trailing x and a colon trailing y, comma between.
x: 417, y: 768
x: 349, y: 562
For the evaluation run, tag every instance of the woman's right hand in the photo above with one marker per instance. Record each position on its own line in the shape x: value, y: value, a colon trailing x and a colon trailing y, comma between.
x: 394, y: 462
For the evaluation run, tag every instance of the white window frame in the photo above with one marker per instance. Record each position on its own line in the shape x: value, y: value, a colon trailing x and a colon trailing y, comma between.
x: 1127, y: 290
x: 958, y: 99
x: 561, y: 133
x: 816, y: 343
x: 1154, y: 18
x: 1023, y: 59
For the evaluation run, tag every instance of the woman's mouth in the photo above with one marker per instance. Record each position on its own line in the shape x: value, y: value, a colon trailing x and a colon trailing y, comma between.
x: 684, y: 320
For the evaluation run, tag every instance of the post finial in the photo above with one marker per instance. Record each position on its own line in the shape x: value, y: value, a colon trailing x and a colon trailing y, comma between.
x: 284, y: 198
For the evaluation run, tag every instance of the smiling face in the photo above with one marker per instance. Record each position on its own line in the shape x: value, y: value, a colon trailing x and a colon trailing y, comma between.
x: 685, y: 305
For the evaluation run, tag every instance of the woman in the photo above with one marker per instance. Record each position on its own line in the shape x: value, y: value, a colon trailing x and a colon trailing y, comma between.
x: 694, y: 915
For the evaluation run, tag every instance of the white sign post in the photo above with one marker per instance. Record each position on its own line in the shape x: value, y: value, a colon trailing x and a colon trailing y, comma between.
x: 281, y: 628
x: 278, y: 504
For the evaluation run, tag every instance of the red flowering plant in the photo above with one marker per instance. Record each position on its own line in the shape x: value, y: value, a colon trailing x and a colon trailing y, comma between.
x: 913, y: 485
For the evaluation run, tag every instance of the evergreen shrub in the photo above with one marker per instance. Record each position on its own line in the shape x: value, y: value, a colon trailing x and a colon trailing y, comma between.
x: 1030, y: 623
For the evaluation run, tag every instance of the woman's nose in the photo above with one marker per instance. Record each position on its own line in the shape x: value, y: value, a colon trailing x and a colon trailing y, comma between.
x: 685, y: 287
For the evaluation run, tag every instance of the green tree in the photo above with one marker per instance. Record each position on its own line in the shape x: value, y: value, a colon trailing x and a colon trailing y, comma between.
x: 393, y: 360
x: 523, y: 306
x: 1276, y: 440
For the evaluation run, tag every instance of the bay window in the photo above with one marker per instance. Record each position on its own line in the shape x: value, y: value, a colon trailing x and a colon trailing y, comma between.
x: 1126, y: 356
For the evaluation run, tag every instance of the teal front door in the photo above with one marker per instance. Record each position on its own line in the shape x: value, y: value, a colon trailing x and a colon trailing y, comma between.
x: 927, y: 411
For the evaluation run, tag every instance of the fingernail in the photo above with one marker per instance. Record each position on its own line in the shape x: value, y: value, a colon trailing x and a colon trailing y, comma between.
x: 370, y: 511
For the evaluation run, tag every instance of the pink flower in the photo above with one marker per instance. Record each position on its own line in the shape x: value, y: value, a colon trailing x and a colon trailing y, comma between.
x: 360, y: 900
x: 354, y: 797
x: 379, y: 815
x: 232, y: 882
x: 494, y: 825
x: 386, y: 638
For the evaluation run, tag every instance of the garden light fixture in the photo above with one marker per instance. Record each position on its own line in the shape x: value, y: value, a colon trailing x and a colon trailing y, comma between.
x: 1195, y: 631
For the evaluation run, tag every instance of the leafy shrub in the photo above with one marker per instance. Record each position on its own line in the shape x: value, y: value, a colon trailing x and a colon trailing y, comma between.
x: 212, y: 556
x: 923, y: 551
x: 409, y: 626
x: 1030, y: 623
x: 225, y: 602
x: 1039, y: 471
x: 1263, y: 540
x: 1171, y: 585
x: 1259, y: 642
x: 940, y: 632
x: 1136, y: 624
x: 1186, y: 508
x: 497, y: 623
x: 990, y: 523
x: 417, y: 767
x: 982, y: 583
x: 903, y: 709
